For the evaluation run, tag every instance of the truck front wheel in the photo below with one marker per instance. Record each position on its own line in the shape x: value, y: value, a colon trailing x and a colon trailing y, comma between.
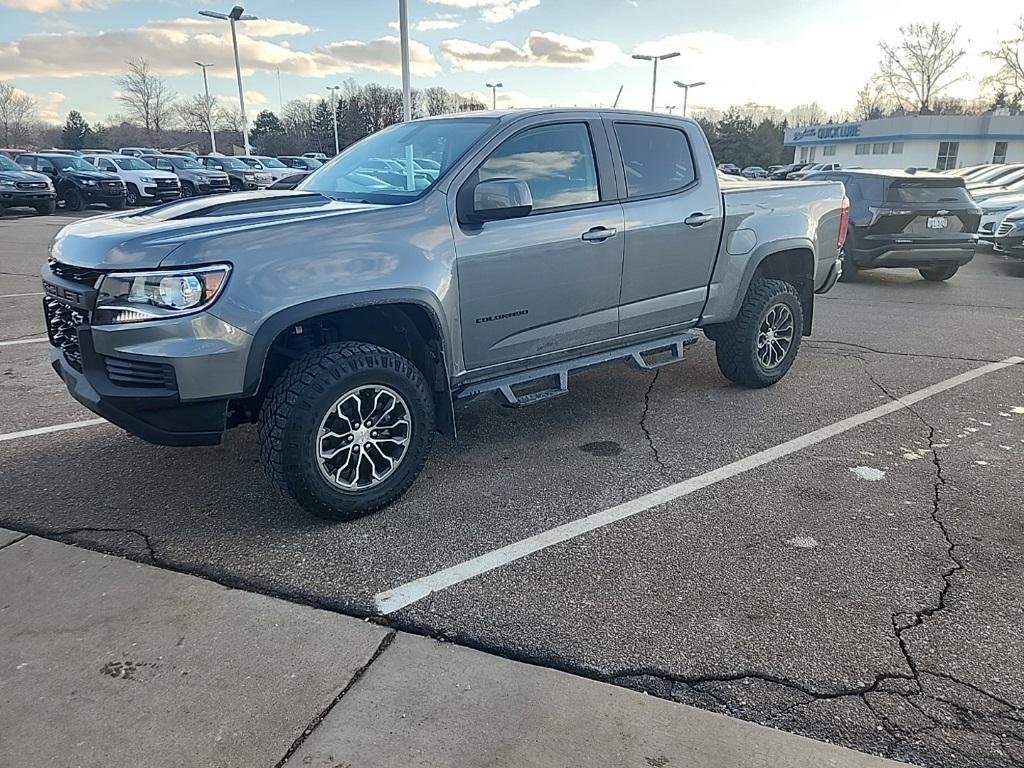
x: 759, y: 346
x: 346, y: 429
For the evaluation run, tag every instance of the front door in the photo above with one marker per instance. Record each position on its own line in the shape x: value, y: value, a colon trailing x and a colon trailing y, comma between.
x: 549, y: 281
x: 673, y: 213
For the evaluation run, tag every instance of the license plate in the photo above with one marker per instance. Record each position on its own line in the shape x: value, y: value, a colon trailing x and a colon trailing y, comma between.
x: 937, y: 222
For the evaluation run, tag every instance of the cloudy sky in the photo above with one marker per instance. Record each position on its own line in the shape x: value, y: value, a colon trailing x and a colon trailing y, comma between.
x: 67, y: 52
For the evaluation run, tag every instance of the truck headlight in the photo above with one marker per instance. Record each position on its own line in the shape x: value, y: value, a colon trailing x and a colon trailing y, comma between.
x: 89, y: 182
x: 134, y: 297
x: 8, y: 184
x: 146, y: 179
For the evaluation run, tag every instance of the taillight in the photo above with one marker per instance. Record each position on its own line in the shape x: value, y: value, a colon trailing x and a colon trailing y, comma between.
x: 844, y: 221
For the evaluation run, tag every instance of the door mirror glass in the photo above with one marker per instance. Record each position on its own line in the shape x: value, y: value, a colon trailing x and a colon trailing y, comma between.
x: 497, y: 199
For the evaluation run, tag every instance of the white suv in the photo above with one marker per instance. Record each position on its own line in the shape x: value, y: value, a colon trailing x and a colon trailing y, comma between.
x: 271, y: 165
x: 143, y: 184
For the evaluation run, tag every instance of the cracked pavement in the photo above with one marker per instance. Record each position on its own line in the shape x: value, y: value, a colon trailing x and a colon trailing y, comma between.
x: 883, y: 615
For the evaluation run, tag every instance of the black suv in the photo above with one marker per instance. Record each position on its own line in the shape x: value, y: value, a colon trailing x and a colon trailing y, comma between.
x: 1009, y: 239
x: 926, y: 221
x: 21, y: 188
x: 78, y: 183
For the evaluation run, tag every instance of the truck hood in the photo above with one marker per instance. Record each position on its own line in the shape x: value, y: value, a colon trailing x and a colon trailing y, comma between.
x: 143, y: 239
x: 22, y: 176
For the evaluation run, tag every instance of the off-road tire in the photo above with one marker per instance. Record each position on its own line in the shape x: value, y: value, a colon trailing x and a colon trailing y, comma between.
x: 736, y: 341
x: 236, y: 186
x: 47, y: 209
x: 73, y: 200
x: 293, y: 409
x: 131, y: 195
x: 188, y: 189
x: 939, y: 273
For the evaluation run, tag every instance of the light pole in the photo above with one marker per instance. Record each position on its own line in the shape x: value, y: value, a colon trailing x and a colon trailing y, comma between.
x: 655, y: 59
x: 209, y: 107
x: 403, y: 31
x: 494, y: 94
x: 334, y: 113
x: 671, y: 108
x: 686, y: 91
x: 236, y: 14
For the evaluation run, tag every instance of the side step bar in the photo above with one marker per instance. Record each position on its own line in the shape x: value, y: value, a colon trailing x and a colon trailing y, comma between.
x: 531, y: 387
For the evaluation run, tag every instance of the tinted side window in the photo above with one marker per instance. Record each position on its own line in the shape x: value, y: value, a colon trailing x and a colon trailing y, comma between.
x: 42, y: 164
x: 556, y: 161
x: 656, y: 159
x: 164, y: 165
x: 25, y: 162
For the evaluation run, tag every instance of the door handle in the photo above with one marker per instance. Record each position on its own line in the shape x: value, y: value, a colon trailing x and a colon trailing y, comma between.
x: 697, y: 219
x: 599, y: 234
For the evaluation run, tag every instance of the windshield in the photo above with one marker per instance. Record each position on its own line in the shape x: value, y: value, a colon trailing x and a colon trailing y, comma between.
x: 66, y: 162
x: 252, y: 162
x: 9, y: 165
x: 234, y: 163
x: 131, y: 164
x: 382, y: 168
x: 184, y: 162
x: 271, y: 162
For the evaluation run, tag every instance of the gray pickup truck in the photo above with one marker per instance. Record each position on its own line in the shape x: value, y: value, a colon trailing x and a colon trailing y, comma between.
x: 436, y: 260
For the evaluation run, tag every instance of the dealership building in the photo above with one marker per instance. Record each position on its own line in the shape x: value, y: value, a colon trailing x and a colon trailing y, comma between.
x: 917, y: 141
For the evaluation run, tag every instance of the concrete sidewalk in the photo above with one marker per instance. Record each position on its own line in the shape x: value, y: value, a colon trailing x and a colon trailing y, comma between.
x: 105, y: 662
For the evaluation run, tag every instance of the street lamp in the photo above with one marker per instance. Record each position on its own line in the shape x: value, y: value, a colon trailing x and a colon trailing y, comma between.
x: 494, y: 94
x: 686, y: 91
x: 655, y: 59
x: 236, y: 14
x: 209, y: 107
x: 334, y: 113
x: 403, y: 33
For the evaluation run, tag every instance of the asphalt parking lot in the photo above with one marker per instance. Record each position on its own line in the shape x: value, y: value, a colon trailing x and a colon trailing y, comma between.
x: 866, y: 588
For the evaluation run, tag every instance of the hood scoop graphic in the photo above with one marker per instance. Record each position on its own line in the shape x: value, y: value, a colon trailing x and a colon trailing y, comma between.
x: 232, y: 205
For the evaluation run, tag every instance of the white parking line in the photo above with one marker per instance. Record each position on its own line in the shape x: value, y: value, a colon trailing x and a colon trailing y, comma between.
x: 405, y: 595
x: 54, y: 428
x: 37, y: 340
x: 18, y: 295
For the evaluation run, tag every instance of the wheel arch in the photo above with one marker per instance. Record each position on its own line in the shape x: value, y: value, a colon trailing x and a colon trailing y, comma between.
x: 405, y: 321
x: 791, y: 261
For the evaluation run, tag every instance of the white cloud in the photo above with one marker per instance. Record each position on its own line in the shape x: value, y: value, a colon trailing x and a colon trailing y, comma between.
x: 541, y: 49
x: 491, y: 11
x: 256, y: 99
x: 49, y: 6
x: 171, y: 47
x: 443, y: 21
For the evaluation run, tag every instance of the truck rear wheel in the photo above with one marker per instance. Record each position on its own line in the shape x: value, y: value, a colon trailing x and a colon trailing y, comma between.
x: 346, y: 429
x: 759, y: 346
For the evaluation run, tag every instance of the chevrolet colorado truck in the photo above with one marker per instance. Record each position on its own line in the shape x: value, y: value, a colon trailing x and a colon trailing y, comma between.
x: 348, y: 316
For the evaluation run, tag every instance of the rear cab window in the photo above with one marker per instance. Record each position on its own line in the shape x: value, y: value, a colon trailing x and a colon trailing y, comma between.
x: 657, y: 159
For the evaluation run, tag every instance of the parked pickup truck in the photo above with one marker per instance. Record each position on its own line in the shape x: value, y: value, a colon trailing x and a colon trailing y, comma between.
x: 347, y: 317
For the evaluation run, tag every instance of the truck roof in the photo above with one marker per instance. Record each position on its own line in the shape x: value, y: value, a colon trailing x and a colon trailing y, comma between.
x: 508, y: 115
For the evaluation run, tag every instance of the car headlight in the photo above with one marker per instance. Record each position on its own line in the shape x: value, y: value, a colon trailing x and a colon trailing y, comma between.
x: 147, y: 179
x: 249, y: 175
x: 89, y: 182
x: 134, y: 297
x: 8, y: 184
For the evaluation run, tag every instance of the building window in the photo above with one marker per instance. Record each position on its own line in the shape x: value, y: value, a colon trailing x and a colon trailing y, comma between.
x: 829, y: 151
x: 948, y: 151
x: 880, y: 149
x: 897, y: 147
x: 807, y: 154
x: 999, y: 156
x: 863, y: 149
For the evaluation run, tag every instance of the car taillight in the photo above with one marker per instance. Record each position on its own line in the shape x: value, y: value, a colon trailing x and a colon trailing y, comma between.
x: 844, y: 221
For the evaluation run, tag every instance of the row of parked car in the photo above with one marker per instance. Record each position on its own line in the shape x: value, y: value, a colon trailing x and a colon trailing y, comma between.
x: 137, y: 176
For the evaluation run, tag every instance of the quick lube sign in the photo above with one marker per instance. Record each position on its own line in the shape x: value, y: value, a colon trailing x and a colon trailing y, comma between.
x: 827, y: 132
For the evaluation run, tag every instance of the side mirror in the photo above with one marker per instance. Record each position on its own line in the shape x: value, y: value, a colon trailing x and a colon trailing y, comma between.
x: 497, y: 199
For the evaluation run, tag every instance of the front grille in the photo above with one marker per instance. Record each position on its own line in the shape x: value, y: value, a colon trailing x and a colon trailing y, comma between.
x: 1004, y: 229
x: 62, y: 323
x: 112, y: 185
x: 167, y: 183
x: 81, y: 275
x: 33, y: 185
x: 133, y: 373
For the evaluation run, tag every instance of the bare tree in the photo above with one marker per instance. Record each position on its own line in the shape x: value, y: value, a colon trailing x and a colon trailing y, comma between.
x: 874, y: 101
x: 922, y: 66
x: 198, y: 113
x: 1010, y: 75
x: 146, y: 97
x: 17, y: 115
x: 381, y: 106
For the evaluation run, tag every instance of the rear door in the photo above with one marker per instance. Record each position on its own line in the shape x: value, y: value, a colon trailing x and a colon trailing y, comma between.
x: 672, y: 208
x: 549, y: 281
x: 934, y: 209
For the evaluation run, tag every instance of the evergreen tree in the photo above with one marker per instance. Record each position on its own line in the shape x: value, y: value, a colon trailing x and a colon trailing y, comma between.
x: 267, y: 134
x: 76, y: 131
x: 322, y: 128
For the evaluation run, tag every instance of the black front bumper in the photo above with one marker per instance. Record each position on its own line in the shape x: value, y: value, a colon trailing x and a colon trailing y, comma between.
x: 27, y: 198
x: 100, y: 195
x: 155, y: 415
